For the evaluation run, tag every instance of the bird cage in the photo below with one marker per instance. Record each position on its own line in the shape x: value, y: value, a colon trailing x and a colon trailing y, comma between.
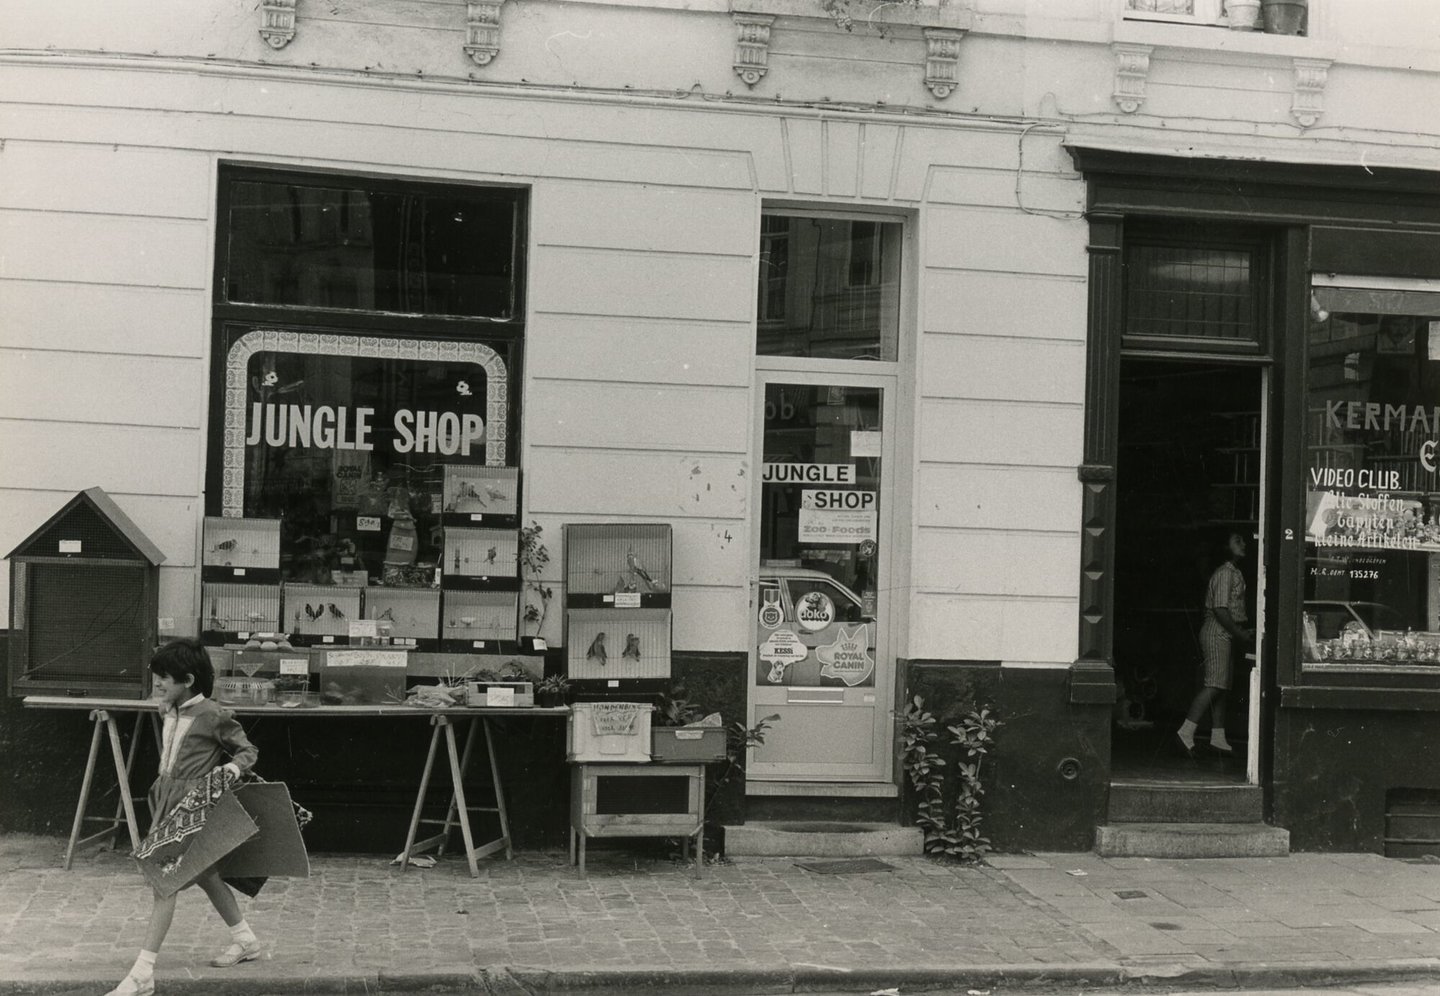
x: 404, y: 614
x: 611, y: 644
x: 316, y: 613
x: 481, y: 493
x: 83, y: 603
x: 237, y: 547
x: 477, y: 553
x: 610, y: 559
x: 469, y: 620
x: 232, y: 611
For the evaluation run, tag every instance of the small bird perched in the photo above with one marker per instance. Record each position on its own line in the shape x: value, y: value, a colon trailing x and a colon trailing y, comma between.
x: 632, y: 647
x: 596, y: 652
x: 638, y: 569
x: 491, y: 555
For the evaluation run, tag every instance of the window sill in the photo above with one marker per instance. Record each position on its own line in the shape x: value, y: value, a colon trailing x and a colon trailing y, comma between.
x: 929, y: 14
x: 1209, y: 38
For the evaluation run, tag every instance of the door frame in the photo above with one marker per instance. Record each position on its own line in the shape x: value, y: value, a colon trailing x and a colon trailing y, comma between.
x: 889, y: 532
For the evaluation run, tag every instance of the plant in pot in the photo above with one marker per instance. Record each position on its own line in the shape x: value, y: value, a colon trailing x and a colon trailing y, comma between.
x: 534, y: 558
x: 553, y: 690
x: 1243, y: 15
x: 1284, y: 17
x: 675, y: 734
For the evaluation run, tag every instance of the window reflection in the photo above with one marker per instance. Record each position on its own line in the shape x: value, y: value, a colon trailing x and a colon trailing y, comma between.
x: 443, y: 252
x: 829, y: 287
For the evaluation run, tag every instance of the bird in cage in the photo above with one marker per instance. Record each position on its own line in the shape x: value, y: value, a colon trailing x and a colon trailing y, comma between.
x: 491, y: 554
x: 638, y: 569
x: 632, y: 647
x: 336, y: 612
x: 313, y: 612
x: 597, y: 652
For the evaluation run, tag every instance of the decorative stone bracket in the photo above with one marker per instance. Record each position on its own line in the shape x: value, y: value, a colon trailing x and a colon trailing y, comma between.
x: 942, y: 60
x: 277, y: 22
x: 752, y: 46
x: 1132, y: 67
x: 482, y: 30
x: 1309, y: 101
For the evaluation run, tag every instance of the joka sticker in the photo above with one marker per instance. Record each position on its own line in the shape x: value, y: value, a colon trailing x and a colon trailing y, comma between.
x: 781, y: 649
x: 815, y: 611
x: 848, y: 658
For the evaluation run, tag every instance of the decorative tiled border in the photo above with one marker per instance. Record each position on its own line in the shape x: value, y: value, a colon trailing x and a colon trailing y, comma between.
x: 497, y: 390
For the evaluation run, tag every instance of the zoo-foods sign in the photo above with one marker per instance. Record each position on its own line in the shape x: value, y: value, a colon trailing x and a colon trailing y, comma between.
x: 837, y: 516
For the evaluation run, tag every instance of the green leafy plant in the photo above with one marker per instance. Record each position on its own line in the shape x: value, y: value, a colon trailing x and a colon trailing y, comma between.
x: 673, y: 709
x: 534, y: 558
x: 956, y: 833
x: 553, y: 689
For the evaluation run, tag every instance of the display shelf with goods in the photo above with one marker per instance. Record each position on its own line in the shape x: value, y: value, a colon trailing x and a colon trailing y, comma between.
x: 1235, y: 486
x: 617, y: 612
x: 235, y: 548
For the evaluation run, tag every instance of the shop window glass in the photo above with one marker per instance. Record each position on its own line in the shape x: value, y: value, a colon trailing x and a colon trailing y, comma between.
x: 1372, y: 510
x: 829, y: 288
x: 346, y: 440
x: 447, y: 251
x: 1190, y: 292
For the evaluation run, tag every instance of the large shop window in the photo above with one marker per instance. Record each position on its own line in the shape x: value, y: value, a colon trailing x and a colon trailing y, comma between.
x: 1372, y: 510
x: 367, y: 344
x: 829, y: 287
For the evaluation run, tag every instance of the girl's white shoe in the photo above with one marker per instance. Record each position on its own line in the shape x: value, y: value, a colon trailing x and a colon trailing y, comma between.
x: 131, y: 986
x: 236, y: 953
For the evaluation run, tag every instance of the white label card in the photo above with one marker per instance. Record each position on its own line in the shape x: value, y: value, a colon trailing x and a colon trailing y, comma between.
x: 499, y: 696
x: 294, y: 665
x: 864, y: 443
x: 627, y: 600
x: 367, y: 523
x: 70, y: 546
x: 362, y: 628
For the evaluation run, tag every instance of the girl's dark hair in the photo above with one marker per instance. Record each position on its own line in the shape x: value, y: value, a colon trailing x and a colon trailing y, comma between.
x: 180, y: 659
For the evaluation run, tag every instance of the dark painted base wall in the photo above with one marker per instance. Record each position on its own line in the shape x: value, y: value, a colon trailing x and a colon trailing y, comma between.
x: 359, y: 776
x: 1335, y: 768
x: 1031, y: 804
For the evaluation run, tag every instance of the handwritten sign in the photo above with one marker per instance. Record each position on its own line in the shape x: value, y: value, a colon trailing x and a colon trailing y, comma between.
x: 366, y: 658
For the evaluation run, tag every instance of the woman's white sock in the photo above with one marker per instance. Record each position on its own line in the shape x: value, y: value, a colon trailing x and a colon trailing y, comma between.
x: 144, y: 966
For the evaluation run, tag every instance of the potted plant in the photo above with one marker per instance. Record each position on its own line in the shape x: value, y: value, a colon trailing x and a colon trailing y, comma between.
x: 674, y: 735
x: 1243, y: 15
x: 534, y: 558
x: 1284, y: 17
x: 553, y: 690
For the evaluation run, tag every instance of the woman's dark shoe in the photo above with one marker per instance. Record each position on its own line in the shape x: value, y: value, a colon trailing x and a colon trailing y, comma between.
x: 1187, y: 749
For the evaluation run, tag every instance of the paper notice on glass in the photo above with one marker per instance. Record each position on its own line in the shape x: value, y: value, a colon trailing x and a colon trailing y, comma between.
x: 864, y: 443
x: 1433, y: 341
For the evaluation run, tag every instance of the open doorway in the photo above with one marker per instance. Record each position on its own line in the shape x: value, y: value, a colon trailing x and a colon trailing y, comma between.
x: 1189, y: 474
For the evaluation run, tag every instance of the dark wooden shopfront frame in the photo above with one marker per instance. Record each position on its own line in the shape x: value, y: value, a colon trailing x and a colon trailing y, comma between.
x: 1352, y: 220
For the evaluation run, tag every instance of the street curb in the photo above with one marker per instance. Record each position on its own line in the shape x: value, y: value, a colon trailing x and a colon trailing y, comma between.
x: 748, y: 980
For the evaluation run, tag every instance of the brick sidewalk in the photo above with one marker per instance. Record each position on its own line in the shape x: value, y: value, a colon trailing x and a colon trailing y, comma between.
x: 764, y: 923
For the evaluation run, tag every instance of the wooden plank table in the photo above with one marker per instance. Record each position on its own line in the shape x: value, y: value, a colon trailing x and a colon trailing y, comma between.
x: 103, y: 712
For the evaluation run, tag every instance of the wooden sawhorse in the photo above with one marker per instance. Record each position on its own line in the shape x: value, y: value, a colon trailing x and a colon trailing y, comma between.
x: 459, y: 810
x: 124, y: 762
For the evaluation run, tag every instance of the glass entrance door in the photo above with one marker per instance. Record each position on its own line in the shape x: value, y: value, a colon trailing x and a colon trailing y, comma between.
x: 821, y: 659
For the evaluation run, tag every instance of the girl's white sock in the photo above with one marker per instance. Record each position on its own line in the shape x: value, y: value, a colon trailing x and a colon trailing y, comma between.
x: 144, y: 966
x: 242, y: 933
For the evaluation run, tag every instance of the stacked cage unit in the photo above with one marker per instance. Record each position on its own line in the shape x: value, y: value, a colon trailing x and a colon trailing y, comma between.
x: 618, y: 580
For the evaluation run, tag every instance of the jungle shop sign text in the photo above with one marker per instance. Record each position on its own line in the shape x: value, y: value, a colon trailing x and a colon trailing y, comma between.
x: 341, y: 427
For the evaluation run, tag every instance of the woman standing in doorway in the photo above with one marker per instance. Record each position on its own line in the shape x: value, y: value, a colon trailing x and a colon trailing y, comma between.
x: 1225, y: 620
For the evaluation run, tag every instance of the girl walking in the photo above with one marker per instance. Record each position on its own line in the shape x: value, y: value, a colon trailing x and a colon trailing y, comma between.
x: 198, y: 736
x: 1225, y: 623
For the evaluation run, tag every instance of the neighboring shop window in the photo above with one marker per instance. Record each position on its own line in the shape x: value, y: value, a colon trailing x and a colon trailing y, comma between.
x: 1372, y: 512
x: 829, y: 287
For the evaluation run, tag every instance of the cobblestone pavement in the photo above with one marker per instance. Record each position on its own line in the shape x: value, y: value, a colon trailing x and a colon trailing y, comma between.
x: 1071, y: 913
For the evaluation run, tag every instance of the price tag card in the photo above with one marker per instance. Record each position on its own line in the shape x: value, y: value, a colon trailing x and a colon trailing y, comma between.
x: 294, y: 665
x: 363, y: 628
x: 504, y: 696
x: 367, y: 523
x: 627, y: 600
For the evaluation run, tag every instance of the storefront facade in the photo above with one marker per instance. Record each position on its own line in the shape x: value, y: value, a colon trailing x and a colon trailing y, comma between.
x: 856, y: 337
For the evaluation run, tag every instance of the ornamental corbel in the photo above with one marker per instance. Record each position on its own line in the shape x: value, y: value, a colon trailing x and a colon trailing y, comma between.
x: 277, y: 22
x: 482, y: 30
x: 1309, y: 100
x: 752, y: 46
x: 1132, y: 67
x: 942, y: 60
